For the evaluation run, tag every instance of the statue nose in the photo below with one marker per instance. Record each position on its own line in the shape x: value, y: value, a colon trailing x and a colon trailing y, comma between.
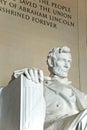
x: 67, y: 65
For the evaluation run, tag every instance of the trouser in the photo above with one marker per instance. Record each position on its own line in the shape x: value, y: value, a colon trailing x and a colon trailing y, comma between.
x: 74, y: 122
x: 80, y: 122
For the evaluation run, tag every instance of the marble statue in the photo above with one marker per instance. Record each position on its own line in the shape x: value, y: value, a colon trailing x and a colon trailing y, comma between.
x: 66, y: 106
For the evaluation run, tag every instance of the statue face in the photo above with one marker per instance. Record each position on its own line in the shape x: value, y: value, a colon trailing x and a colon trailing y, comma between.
x: 62, y: 65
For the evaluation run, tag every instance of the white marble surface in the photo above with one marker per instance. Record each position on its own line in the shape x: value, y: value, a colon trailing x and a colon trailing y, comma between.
x: 10, y: 106
x: 22, y: 106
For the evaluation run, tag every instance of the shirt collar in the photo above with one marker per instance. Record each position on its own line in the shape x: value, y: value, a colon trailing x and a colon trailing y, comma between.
x: 55, y: 83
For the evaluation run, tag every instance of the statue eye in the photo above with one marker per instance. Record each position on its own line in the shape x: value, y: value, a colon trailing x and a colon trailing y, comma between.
x: 69, y: 61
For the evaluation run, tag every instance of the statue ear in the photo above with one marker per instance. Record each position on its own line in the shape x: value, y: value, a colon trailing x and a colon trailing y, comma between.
x: 50, y: 62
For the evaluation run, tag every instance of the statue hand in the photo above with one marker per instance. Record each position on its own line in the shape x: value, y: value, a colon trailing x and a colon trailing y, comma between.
x: 36, y: 75
x: 35, y: 78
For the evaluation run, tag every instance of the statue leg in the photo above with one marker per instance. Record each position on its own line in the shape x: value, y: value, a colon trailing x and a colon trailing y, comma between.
x: 82, y: 124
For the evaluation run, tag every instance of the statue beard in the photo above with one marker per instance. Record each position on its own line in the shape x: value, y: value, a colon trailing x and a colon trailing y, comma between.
x: 60, y: 72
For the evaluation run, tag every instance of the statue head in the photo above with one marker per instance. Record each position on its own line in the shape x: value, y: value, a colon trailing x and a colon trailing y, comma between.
x: 59, y: 61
